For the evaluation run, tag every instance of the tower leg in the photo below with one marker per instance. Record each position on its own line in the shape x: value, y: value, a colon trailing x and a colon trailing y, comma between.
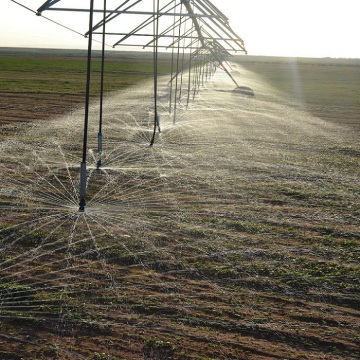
x: 82, y: 186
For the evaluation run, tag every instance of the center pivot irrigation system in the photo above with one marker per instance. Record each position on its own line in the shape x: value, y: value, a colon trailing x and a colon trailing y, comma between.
x: 196, y: 32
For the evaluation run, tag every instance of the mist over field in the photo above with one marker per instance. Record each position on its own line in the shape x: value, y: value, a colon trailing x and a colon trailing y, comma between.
x: 235, y: 236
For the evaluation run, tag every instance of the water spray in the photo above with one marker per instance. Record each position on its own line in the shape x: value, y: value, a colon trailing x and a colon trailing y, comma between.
x: 208, y: 41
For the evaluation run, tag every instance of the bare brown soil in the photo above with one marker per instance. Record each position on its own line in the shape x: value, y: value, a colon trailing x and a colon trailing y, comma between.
x: 18, y: 107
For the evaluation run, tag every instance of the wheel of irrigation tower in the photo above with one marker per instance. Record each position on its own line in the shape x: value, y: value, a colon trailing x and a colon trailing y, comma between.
x: 245, y: 91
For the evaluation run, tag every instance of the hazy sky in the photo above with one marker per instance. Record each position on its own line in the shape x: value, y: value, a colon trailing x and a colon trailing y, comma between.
x: 306, y: 28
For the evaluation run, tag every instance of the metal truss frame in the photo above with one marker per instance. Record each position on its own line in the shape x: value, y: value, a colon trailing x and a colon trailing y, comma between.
x: 192, y: 29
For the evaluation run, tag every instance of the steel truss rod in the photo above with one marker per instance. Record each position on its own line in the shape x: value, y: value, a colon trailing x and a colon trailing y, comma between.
x: 47, y: 5
x: 209, y: 37
x: 184, y: 36
x: 145, y: 23
x: 108, y: 17
x: 202, y: 40
x: 220, y: 38
x: 192, y: 55
x: 170, y: 28
x: 46, y: 18
x: 150, y: 13
x: 211, y: 9
x: 196, y: 23
x: 208, y: 14
x: 190, y: 46
x: 161, y: 46
x: 224, y: 26
x: 215, y: 10
x: 25, y: 7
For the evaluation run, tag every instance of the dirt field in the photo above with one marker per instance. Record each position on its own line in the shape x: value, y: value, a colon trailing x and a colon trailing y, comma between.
x: 235, y: 237
x: 325, y: 87
x: 38, y: 84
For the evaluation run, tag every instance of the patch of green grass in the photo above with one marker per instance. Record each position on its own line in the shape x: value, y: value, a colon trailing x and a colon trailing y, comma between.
x: 314, y: 82
x: 67, y: 75
x: 16, y: 294
x: 158, y: 349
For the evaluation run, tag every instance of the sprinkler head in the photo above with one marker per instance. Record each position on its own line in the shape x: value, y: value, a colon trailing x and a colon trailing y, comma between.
x: 82, y: 205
